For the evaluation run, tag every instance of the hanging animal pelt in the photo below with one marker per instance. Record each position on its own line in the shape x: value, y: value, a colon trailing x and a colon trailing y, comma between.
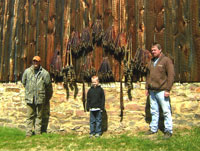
x: 87, y: 69
x: 56, y: 67
x: 69, y: 79
x: 105, y: 73
x: 108, y: 42
x: 74, y: 44
x: 128, y: 73
x: 97, y: 32
x: 140, y: 61
x: 88, y: 74
x: 119, y: 49
x: 86, y: 45
x: 69, y: 75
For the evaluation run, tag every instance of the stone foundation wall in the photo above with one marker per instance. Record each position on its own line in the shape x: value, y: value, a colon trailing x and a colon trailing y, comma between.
x: 68, y: 115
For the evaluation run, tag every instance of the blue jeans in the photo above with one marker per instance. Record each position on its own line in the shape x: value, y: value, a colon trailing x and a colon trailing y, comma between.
x: 95, y: 122
x: 157, y: 98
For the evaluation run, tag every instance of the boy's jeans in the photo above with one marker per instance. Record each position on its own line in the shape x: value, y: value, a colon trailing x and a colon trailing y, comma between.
x: 156, y: 98
x: 95, y: 122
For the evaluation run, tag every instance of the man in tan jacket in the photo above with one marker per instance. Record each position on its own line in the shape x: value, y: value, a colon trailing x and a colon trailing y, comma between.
x: 159, y: 82
x: 38, y: 91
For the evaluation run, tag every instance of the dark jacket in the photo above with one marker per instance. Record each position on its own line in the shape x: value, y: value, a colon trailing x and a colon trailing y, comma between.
x: 95, y: 98
x: 38, y: 87
x: 160, y: 77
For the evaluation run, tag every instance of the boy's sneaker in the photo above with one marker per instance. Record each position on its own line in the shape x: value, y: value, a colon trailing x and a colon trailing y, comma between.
x: 150, y: 133
x: 167, y: 135
x: 97, y: 135
x: 91, y: 136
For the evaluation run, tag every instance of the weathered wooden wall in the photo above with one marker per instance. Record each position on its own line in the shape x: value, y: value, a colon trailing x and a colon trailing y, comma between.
x: 39, y: 27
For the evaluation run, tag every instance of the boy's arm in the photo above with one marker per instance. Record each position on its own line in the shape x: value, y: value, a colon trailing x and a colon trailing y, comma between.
x: 88, y: 101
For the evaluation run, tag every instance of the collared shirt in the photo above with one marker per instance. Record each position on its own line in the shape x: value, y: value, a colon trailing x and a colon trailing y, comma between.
x: 155, y: 61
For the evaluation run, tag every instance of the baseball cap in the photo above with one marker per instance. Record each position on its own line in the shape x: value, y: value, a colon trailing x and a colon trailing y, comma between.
x: 36, y: 58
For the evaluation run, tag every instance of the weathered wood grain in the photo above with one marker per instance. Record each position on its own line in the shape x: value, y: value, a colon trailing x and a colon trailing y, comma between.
x: 32, y: 27
x: 2, y: 10
x: 66, y: 32
x: 13, y: 40
x: 51, y: 32
x: 20, y: 42
x: 42, y: 21
x: 149, y: 23
x: 7, y: 32
x: 195, y: 33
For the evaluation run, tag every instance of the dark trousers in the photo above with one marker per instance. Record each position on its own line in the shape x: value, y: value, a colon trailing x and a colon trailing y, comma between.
x: 34, y: 118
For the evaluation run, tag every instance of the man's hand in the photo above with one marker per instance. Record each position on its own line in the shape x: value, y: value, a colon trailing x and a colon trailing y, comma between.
x: 167, y: 94
x: 146, y: 92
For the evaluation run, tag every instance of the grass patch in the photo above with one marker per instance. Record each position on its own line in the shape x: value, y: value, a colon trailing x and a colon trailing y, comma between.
x: 182, y: 140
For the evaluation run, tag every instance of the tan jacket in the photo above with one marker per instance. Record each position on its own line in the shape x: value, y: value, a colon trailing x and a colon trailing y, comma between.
x: 160, y: 77
x: 37, y: 86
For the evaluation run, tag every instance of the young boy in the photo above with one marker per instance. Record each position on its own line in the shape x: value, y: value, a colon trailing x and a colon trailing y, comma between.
x: 95, y: 104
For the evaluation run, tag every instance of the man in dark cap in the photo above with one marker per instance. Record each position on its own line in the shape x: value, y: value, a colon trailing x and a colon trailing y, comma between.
x: 38, y: 91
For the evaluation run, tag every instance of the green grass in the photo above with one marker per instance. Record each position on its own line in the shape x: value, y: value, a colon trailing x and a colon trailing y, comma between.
x: 182, y: 140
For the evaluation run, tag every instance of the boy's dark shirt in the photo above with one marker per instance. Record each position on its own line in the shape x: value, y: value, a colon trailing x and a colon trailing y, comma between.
x: 95, y: 98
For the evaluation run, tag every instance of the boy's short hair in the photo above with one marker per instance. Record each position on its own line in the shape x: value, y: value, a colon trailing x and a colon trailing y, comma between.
x: 95, y: 78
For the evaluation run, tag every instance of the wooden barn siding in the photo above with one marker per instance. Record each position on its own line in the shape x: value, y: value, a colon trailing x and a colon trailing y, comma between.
x: 39, y: 27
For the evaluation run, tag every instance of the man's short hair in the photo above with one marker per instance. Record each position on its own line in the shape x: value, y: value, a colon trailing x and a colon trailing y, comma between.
x: 157, y: 45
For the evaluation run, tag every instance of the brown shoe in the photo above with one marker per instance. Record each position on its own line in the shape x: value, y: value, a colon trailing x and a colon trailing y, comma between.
x: 167, y: 135
x: 150, y: 133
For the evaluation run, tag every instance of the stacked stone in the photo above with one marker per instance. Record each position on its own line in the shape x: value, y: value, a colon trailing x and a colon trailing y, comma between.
x: 67, y: 115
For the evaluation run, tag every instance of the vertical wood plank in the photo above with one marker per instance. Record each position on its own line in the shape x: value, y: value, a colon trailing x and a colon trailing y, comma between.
x: 20, y: 42
x: 42, y: 31
x: 7, y: 31
x: 14, y: 40
x: 51, y: 32
x: 2, y: 11
x: 66, y: 34
x: 195, y: 33
x: 149, y: 23
x: 32, y: 16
